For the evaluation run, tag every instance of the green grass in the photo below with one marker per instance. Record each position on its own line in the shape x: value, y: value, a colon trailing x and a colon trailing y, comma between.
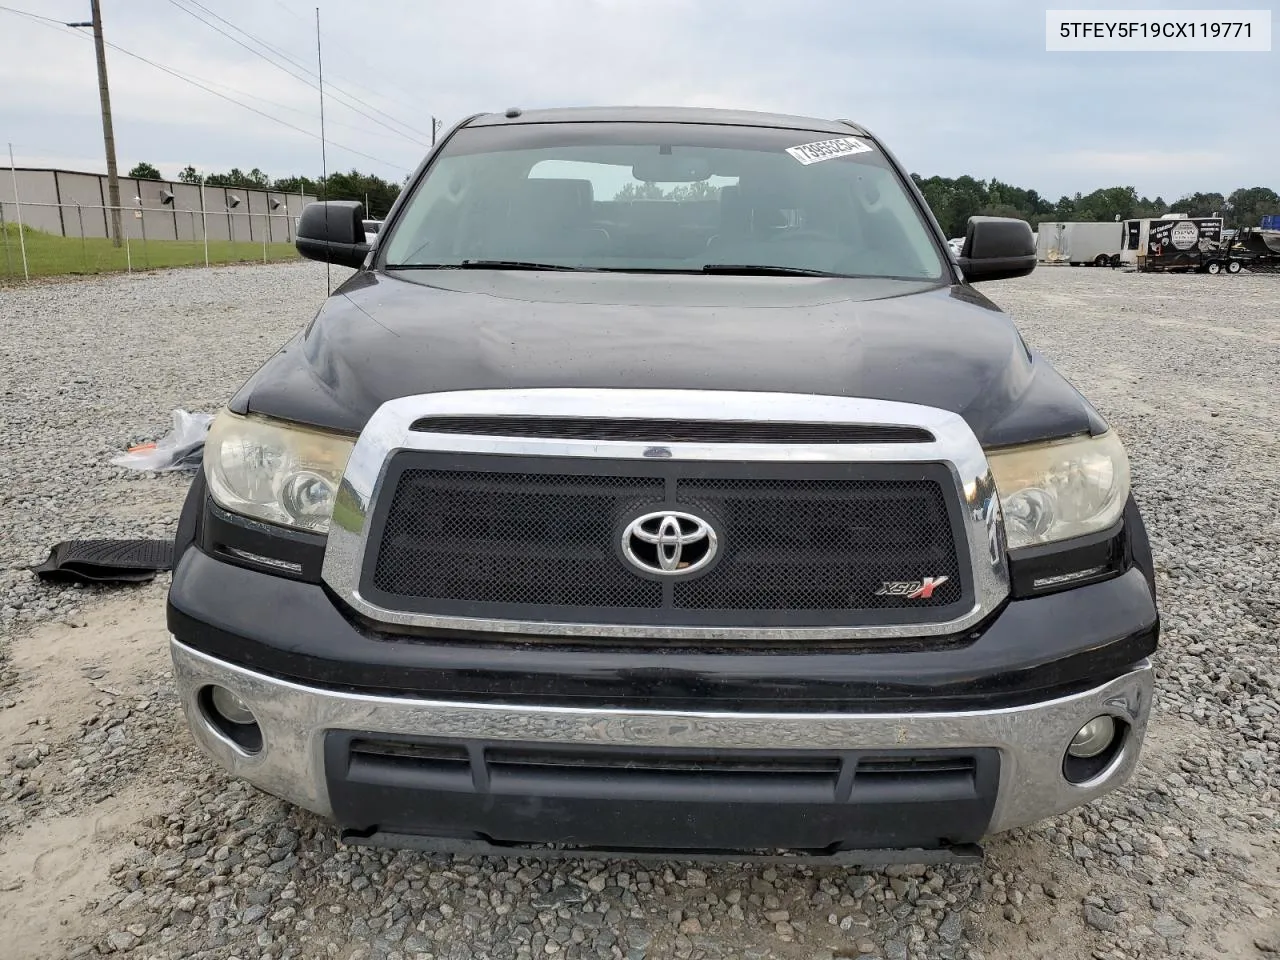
x: 49, y: 255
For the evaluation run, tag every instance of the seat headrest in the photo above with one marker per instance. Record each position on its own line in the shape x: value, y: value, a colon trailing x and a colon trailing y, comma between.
x: 586, y: 194
x: 734, y: 212
x: 758, y: 204
x: 570, y: 195
x: 766, y: 195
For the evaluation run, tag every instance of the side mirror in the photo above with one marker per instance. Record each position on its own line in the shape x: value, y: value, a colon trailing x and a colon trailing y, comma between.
x: 332, y: 231
x: 997, y: 248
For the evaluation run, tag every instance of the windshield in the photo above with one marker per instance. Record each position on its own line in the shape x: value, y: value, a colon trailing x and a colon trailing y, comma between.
x: 662, y: 197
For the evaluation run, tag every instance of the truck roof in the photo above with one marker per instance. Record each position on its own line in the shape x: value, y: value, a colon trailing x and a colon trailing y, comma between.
x: 740, y: 118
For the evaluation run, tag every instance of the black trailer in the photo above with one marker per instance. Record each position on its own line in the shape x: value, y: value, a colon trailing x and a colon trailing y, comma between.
x: 1173, y: 245
x: 1253, y: 249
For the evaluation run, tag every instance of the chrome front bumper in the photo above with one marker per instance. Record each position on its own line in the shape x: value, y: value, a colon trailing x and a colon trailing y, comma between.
x: 1031, y: 739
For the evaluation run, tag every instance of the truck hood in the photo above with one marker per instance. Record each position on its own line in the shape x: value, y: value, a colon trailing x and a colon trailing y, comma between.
x: 380, y: 337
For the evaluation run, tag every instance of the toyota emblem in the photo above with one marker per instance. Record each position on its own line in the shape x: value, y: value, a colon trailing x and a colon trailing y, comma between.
x: 669, y: 543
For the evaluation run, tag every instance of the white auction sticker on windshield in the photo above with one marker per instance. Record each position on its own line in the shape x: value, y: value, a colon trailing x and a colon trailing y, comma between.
x: 820, y: 150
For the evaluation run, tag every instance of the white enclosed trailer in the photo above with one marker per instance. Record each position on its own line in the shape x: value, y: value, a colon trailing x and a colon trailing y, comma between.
x: 1079, y: 243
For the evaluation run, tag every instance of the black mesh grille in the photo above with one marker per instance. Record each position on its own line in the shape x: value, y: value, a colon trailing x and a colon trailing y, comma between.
x: 822, y: 544
x: 513, y: 538
x: 673, y: 431
x: 799, y: 544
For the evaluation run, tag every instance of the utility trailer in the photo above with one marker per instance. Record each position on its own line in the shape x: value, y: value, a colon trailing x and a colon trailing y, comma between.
x: 1079, y: 243
x: 1172, y: 244
x: 1255, y: 249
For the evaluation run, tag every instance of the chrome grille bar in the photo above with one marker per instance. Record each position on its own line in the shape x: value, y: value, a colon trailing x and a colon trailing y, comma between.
x: 390, y: 431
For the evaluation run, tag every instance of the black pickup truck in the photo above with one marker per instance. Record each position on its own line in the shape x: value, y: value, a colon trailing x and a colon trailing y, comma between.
x: 660, y: 484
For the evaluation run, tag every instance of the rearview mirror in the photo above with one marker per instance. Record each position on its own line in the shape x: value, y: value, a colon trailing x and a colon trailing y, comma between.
x: 669, y: 168
x: 333, y: 232
x: 997, y: 248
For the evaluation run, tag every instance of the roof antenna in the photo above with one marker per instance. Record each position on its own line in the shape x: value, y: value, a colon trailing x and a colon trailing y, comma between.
x: 324, y: 163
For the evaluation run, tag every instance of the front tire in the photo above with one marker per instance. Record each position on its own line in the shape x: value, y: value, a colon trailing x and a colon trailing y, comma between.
x: 1214, y: 267
x: 1101, y: 260
x: 1233, y: 266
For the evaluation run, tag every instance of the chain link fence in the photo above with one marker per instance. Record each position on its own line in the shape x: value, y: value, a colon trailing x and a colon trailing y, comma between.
x: 51, y: 239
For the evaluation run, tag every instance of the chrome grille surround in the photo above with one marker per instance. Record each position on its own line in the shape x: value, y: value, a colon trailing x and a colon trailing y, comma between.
x: 389, y: 431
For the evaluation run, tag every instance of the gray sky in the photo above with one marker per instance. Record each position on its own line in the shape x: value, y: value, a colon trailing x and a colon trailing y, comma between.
x: 953, y: 87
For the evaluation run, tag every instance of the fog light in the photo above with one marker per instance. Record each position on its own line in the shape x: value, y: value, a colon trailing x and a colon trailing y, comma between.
x: 231, y: 717
x: 232, y: 708
x: 1093, y: 738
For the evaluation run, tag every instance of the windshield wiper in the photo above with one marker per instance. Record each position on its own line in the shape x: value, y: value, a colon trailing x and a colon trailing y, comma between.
x: 764, y: 270
x: 485, y: 265
x: 738, y: 269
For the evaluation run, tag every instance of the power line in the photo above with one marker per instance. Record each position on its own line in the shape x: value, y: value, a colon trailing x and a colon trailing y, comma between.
x: 297, y: 66
x: 192, y: 78
x: 284, y: 123
x: 352, y: 57
x: 302, y: 66
x: 282, y: 67
x: 195, y: 83
x: 197, y: 80
x: 284, y: 106
x: 33, y: 16
x: 258, y: 40
x: 288, y: 9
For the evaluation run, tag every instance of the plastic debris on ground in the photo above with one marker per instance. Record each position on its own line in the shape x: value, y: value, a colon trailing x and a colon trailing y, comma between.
x: 180, y: 449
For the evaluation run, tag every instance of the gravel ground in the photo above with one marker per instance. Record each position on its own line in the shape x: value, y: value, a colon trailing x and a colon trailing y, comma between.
x: 116, y: 837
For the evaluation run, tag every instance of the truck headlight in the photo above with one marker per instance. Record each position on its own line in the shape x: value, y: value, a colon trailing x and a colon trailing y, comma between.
x: 1061, y: 489
x: 273, y: 471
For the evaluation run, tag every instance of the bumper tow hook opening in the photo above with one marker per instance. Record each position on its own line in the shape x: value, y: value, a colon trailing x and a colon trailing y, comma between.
x: 231, y: 717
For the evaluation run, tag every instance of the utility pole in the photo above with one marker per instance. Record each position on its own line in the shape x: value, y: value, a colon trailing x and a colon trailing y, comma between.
x: 108, y: 136
x: 435, y: 126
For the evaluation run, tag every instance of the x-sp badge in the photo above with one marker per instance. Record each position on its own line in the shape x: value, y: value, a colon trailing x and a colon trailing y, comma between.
x: 911, y: 589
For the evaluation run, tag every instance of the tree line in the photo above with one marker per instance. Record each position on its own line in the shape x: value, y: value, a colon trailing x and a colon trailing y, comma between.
x: 953, y: 200
x: 698, y: 190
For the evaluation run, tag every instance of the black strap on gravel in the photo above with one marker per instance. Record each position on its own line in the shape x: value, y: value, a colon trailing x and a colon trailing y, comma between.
x: 106, y: 561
